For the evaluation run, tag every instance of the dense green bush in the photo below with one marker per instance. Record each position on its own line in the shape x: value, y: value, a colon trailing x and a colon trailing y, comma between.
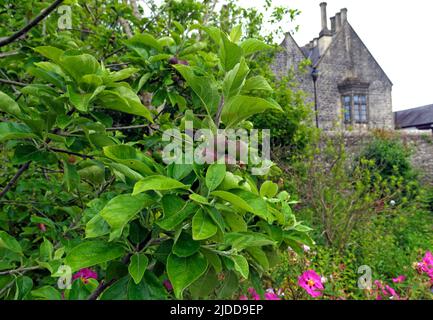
x: 390, y: 157
x: 89, y: 209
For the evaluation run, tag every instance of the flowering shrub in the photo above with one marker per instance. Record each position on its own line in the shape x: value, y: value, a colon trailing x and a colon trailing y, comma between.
x: 312, y: 283
x: 338, y: 281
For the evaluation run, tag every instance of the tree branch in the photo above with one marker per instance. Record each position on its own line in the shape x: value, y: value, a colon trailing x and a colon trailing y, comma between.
x: 102, y: 286
x: 19, y: 270
x: 11, y: 183
x: 8, y: 54
x: 14, y: 83
x: 84, y: 156
x: 31, y: 24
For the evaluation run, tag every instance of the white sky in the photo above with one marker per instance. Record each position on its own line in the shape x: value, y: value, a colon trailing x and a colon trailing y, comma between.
x: 397, y: 32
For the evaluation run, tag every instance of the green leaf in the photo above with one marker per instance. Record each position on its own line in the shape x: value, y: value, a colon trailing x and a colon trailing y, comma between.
x: 241, y: 265
x: 236, y: 33
x: 130, y: 157
x: 259, y: 256
x: 71, y: 177
x: 233, y: 199
x: 203, y: 86
x: 46, y: 250
x: 240, y: 108
x: 8, y: 105
x: 242, y: 240
x: 205, y: 285
x: 179, y: 171
x: 46, y: 293
x: 259, y: 206
x: 235, y: 79
x: 230, y: 53
x: 251, y: 46
x: 213, y: 32
x: 185, y: 246
x: 182, y: 272
x: 202, y: 226
x: 256, y: 83
x: 198, y: 198
x: 150, y: 288
x: 51, y: 53
x: 97, y: 227
x: 175, y: 215
x: 8, y: 242
x: 268, y: 189
x: 117, y: 291
x: 78, y: 66
x: 24, y: 286
x: 235, y: 222
x: 122, y: 74
x: 159, y: 183
x: 229, y: 286
x: 144, y: 40
x: 28, y: 152
x: 49, y: 76
x: 137, y: 267
x: 78, y: 291
x: 95, y: 173
x: 90, y: 253
x: 12, y: 130
x: 81, y: 101
x: 121, y: 209
x: 217, y: 218
x: 215, y: 175
x: 125, y: 100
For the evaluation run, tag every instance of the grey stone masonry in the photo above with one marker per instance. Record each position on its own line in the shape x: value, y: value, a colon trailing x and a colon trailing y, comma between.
x: 347, y: 70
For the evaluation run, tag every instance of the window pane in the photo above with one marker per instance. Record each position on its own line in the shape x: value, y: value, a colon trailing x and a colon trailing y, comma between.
x: 347, y: 100
x: 347, y: 108
x: 356, y: 99
x: 363, y: 99
x: 364, y: 113
x: 356, y: 112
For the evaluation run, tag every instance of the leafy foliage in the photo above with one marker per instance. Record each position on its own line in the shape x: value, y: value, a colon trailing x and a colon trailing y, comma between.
x: 92, y: 194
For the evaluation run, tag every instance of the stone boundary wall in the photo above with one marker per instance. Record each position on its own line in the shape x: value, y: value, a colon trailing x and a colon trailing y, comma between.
x: 420, y: 144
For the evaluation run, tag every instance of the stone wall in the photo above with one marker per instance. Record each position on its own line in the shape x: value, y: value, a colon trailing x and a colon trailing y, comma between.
x: 420, y: 144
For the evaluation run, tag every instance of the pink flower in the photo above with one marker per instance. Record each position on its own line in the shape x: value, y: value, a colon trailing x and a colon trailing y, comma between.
x: 271, y: 296
x: 426, y: 265
x: 391, y: 292
x: 312, y: 283
x: 384, y: 291
x: 243, y: 297
x: 167, y: 284
x: 254, y: 294
x: 85, y: 274
x: 399, y: 279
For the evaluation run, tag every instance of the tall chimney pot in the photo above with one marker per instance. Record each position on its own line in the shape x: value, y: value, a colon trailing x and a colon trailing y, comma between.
x: 338, y: 22
x: 333, y: 25
x: 324, y: 17
x: 343, y: 16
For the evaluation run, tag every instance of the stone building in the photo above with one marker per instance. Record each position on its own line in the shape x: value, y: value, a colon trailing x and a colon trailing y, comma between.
x: 349, y: 86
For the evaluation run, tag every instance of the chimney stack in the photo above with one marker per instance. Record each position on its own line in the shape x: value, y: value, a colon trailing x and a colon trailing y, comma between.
x: 338, y: 22
x: 324, y: 18
x: 333, y: 25
x: 343, y: 16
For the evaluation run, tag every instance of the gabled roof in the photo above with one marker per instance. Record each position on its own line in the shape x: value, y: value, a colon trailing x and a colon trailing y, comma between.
x: 288, y: 35
x: 316, y: 58
x: 421, y: 118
